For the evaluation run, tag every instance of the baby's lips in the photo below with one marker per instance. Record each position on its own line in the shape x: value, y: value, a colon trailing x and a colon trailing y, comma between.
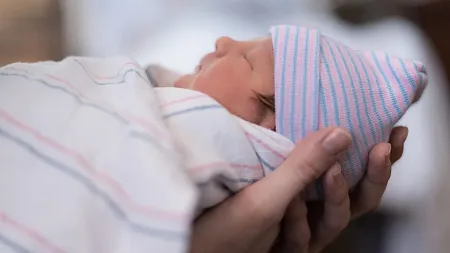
x: 198, y: 68
x: 207, y: 59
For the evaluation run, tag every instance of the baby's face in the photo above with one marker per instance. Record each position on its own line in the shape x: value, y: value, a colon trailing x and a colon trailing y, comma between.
x: 239, y: 75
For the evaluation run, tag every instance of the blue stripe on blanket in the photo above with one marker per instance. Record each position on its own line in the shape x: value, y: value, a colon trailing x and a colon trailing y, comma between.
x: 113, y: 206
x: 193, y: 109
x: 13, y: 245
x: 143, y: 136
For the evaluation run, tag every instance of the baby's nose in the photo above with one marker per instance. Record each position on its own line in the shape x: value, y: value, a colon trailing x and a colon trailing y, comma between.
x: 223, y: 45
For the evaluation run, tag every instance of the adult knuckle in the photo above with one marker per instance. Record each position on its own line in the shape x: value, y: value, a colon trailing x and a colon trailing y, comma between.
x: 345, y: 222
x: 371, y: 206
x: 296, y: 244
x: 340, y: 196
x: 310, y: 168
x: 311, y: 159
x: 338, y: 226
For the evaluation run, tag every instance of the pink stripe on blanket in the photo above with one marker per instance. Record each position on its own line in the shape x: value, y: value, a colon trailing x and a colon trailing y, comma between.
x: 105, y: 178
x: 140, y: 121
x: 265, y: 145
x: 30, y: 233
x: 108, y: 107
x: 177, y: 101
x: 90, y: 72
x: 255, y: 167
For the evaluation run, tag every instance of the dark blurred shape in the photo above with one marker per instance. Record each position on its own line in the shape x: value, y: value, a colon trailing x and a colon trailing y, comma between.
x: 29, y: 31
x: 364, y: 235
x: 365, y: 11
x: 434, y: 19
x: 432, y: 16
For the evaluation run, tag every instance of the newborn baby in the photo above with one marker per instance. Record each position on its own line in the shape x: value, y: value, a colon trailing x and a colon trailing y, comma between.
x: 94, y: 158
x: 297, y: 80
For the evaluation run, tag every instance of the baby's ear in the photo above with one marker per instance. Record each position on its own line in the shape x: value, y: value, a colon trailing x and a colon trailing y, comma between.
x: 161, y: 76
x: 407, y: 78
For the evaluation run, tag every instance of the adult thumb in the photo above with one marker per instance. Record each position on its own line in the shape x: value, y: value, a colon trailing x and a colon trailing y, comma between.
x: 308, y: 161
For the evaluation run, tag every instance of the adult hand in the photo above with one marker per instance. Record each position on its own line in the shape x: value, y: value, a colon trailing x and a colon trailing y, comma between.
x: 250, y: 220
x: 325, y: 220
x: 368, y: 196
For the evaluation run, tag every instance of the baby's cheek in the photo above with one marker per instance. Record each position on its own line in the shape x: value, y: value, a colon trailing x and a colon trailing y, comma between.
x: 251, y: 112
x: 269, y: 121
x: 260, y: 115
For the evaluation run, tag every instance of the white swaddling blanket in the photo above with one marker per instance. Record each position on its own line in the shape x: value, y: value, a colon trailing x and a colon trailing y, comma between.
x: 95, y: 159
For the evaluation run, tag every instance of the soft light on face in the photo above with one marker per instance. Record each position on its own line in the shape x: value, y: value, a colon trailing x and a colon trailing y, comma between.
x: 239, y: 75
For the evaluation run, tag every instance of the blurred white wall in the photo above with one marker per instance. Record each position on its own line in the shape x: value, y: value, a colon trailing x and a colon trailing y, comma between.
x: 177, y: 34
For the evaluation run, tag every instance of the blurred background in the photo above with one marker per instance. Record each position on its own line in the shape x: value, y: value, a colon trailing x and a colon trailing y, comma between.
x: 414, y: 215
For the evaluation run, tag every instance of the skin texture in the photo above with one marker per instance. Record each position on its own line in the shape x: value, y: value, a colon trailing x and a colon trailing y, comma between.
x: 259, y: 218
x: 236, y: 74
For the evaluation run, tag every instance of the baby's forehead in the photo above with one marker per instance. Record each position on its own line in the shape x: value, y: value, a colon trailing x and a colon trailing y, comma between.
x: 266, y: 43
x: 265, y: 40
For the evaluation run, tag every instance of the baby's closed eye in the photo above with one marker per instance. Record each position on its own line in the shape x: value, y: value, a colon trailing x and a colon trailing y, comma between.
x: 267, y: 101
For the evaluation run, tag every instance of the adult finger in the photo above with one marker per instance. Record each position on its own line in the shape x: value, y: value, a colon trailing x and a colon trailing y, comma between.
x: 226, y: 229
x: 295, y: 232
x: 241, y: 220
x: 369, y: 194
x: 397, y: 140
x: 310, y: 158
x: 372, y: 187
x: 266, y: 241
x: 336, y: 210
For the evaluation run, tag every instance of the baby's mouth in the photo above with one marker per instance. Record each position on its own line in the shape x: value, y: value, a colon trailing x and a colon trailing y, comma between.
x: 198, y: 68
x: 205, y: 62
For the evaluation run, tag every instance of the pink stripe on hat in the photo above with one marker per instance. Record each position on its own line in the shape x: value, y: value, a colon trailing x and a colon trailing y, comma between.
x: 320, y: 82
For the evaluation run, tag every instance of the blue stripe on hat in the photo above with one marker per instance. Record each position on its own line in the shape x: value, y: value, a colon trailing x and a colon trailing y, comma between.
x: 372, y: 96
x: 294, y: 86
x: 351, y: 127
x: 380, y: 91
x: 399, y: 82
x: 364, y: 102
x: 283, y: 81
x: 335, y: 102
x: 304, y: 83
x: 408, y: 75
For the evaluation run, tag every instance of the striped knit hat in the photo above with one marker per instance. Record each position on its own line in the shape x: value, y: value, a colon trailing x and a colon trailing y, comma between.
x: 320, y: 82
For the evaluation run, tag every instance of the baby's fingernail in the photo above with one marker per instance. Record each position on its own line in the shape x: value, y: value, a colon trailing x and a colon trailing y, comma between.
x: 336, y: 141
x: 387, y: 155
